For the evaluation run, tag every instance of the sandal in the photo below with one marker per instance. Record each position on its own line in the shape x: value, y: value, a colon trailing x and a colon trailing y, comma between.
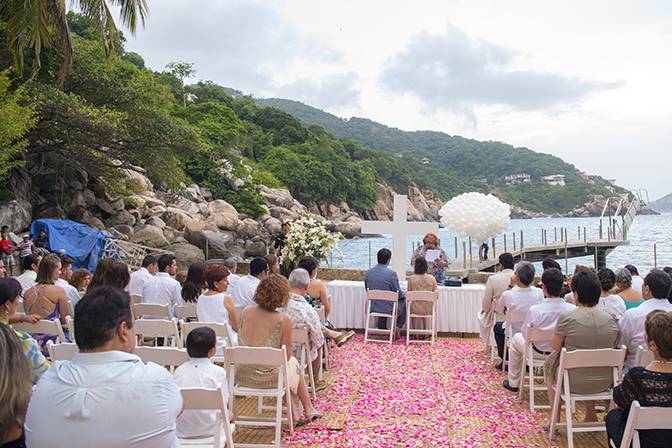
x: 312, y: 416
x: 344, y: 337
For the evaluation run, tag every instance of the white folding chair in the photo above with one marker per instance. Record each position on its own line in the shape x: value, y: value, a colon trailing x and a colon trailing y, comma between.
x: 300, y: 338
x: 421, y: 297
x: 61, y: 352
x: 512, y: 318
x: 50, y: 327
x: 222, y: 331
x: 70, y: 325
x: 186, y: 312
x: 202, y: 399
x: 272, y: 358
x: 535, y: 363
x: 324, y: 350
x: 643, y: 357
x: 169, y: 357
x: 607, y: 357
x: 154, y: 310
x: 158, y: 328
x: 383, y: 296
x: 641, y: 419
x: 20, y: 311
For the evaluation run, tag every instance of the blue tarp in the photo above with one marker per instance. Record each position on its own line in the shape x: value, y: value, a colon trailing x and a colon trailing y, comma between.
x: 80, y: 242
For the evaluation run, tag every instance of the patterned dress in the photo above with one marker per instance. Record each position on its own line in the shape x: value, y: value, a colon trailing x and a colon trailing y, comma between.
x: 31, y: 349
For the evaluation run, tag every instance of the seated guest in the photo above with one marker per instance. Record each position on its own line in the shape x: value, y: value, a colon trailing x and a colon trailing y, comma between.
x: 438, y: 261
x: 317, y: 296
x: 421, y: 281
x: 587, y: 327
x: 637, y: 281
x: 549, y: 263
x: 10, y: 291
x: 200, y: 371
x: 611, y: 303
x: 494, y: 288
x: 106, y: 397
x: 30, y: 265
x: 519, y: 299
x: 244, y: 289
x: 163, y: 289
x: 215, y: 305
x: 630, y: 296
x: 66, y: 274
x: 42, y: 243
x: 110, y: 272
x: 569, y: 296
x: 382, y: 278
x: 650, y: 385
x: 543, y: 316
x: 15, y: 389
x: 262, y: 325
x: 80, y: 280
x: 656, y: 289
x: 273, y: 264
x: 195, y: 284
x: 146, y: 273
x: 302, y: 314
x: 232, y: 266
x: 46, y: 299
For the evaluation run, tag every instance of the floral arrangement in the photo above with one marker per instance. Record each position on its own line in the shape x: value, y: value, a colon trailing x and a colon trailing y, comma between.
x: 307, y: 236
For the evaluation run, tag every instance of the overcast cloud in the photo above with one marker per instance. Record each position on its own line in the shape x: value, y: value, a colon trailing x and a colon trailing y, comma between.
x: 586, y: 81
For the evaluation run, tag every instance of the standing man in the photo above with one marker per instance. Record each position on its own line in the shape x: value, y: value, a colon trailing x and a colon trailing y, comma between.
x: 232, y: 265
x: 163, y: 289
x: 243, y: 290
x: 279, y: 242
x: 26, y: 247
x: 143, y: 275
x: 66, y: 274
x: 382, y: 278
x: 494, y: 288
x: 7, y: 250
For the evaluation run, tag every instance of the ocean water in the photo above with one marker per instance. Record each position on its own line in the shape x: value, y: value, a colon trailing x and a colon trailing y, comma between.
x: 644, y: 233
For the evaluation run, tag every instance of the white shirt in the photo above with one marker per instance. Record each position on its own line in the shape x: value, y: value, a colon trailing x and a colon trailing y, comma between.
x: 637, y: 283
x: 70, y: 292
x: 104, y: 400
x: 211, y: 309
x: 613, y: 305
x: 138, y: 280
x: 544, y: 316
x: 164, y: 290
x: 519, y: 300
x: 199, y: 372
x: 232, y: 279
x: 243, y: 291
x: 27, y: 279
x: 632, y: 326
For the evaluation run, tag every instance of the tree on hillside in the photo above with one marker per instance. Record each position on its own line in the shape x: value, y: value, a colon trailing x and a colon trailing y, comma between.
x: 17, y: 119
x: 182, y: 70
x: 43, y: 24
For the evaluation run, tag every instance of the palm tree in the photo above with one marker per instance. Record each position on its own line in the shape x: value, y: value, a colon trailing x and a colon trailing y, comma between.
x: 39, y: 24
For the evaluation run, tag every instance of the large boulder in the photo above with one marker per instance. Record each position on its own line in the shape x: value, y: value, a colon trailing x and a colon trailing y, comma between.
x: 121, y: 218
x: 249, y: 228
x: 16, y: 214
x: 186, y: 254
x: 276, y: 197
x: 207, y: 236
x: 91, y: 221
x: 283, y: 214
x: 186, y: 205
x: 150, y: 236
x: 138, y: 181
x: 255, y: 249
x: 110, y: 207
x: 273, y: 225
x: 123, y: 229
x: 152, y: 201
x: 176, y: 218
x: 350, y: 228
x: 156, y: 222
x: 223, y: 215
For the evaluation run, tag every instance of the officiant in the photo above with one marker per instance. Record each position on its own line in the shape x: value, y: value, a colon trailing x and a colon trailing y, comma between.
x: 437, y: 260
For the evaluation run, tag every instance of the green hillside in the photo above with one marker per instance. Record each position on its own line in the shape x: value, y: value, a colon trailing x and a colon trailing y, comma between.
x: 450, y: 165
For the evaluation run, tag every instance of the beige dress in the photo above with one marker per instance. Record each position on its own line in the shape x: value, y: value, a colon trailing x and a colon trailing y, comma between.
x: 585, y: 328
x: 422, y: 282
x: 260, y: 376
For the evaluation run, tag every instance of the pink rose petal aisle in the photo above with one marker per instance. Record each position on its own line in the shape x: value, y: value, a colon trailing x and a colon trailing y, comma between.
x: 421, y: 396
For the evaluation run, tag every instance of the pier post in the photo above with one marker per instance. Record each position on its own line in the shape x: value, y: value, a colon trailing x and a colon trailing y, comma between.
x: 369, y: 254
x: 471, y: 255
x: 584, y: 235
x: 579, y: 233
x: 596, y: 258
x: 505, y: 243
x: 655, y: 255
x: 464, y: 254
x: 521, y: 241
x: 600, y: 229
x: 456, y: 248
x: 494, y: 248
x: 555, y: 231
x: 566, y: 257
x: 514, y: 241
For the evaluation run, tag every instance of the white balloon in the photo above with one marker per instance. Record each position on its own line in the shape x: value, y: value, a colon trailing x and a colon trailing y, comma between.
x: 476, y: 215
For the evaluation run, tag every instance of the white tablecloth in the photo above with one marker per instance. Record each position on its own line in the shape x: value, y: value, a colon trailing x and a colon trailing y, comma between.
x: 457, y: 308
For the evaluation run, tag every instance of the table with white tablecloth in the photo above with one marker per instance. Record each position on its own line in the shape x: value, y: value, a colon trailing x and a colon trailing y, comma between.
x: 457, y: 307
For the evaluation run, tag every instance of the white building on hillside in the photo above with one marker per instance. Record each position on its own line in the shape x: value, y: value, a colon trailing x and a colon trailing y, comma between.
x: 557, y: 180
x: 515, y: 179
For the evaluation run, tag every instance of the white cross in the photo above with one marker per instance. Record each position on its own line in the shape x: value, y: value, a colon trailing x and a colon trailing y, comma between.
x: 400, y: 229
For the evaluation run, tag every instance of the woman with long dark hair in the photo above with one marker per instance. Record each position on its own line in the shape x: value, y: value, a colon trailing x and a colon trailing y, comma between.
x: 195, y: 284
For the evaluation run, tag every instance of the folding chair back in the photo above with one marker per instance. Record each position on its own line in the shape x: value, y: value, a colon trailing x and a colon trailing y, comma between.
x: 643, y: 357
x: 70, y: 325
x: 533, y: 360
x: 143, y: 310
x: 512, y: 318
x: 644, y: 418
x: 136, y: 299
x: 320, y: 313
x: 203, y: 399
x: 421, y: 297
x: 271, y: 358
x: 301, y: 338
x: 324, y: 350
x: 158, y: 328
x: 61, y: 352
x: 385, y: 296
x: 50, y: 327
x: 165, y: 356
x: 221, y: 330
x: 576, y: 359
x: 186, y: 312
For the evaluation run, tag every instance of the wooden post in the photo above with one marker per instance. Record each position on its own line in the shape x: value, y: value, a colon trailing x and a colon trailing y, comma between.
x: 505, y: 243
x: 579, y: 233
x: 584, y: 235
x: 555, y: 231
x: 596, y: 258
x: 471, y: 254
x: 600, y: 229
x: 521, y: 241
x: 464, y: 254
x: 655, y: 256
x: 514, y: 241
x: 494, y: 250
x: 456, y: 248
x: 369, y: 254
x: 566, y: 257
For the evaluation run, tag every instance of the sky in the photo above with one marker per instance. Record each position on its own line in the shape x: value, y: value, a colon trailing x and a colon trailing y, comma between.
x: 586, y: 81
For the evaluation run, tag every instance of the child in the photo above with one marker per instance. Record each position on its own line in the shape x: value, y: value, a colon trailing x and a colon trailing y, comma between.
x: 199, y: 371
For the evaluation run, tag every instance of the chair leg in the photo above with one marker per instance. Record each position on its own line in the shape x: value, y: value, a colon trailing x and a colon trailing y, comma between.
x: 310, y: 373
x: 555, y: 407
x: 434, y: 323
x: 368, y: 322
x: 568, y: 415
x: 278, y: 418
x: 506, y: 350
x: 408, y: 324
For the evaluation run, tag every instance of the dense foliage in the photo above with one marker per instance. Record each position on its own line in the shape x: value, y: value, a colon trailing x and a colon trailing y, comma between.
x: 451, y: 165
x: 17, y: 119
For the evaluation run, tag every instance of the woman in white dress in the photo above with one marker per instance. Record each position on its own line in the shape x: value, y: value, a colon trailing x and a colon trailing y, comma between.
x: 611, y: 303
x: 214, y: 305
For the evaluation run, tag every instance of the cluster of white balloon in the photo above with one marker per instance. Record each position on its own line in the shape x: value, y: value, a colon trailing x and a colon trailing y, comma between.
x: 476, y: 215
